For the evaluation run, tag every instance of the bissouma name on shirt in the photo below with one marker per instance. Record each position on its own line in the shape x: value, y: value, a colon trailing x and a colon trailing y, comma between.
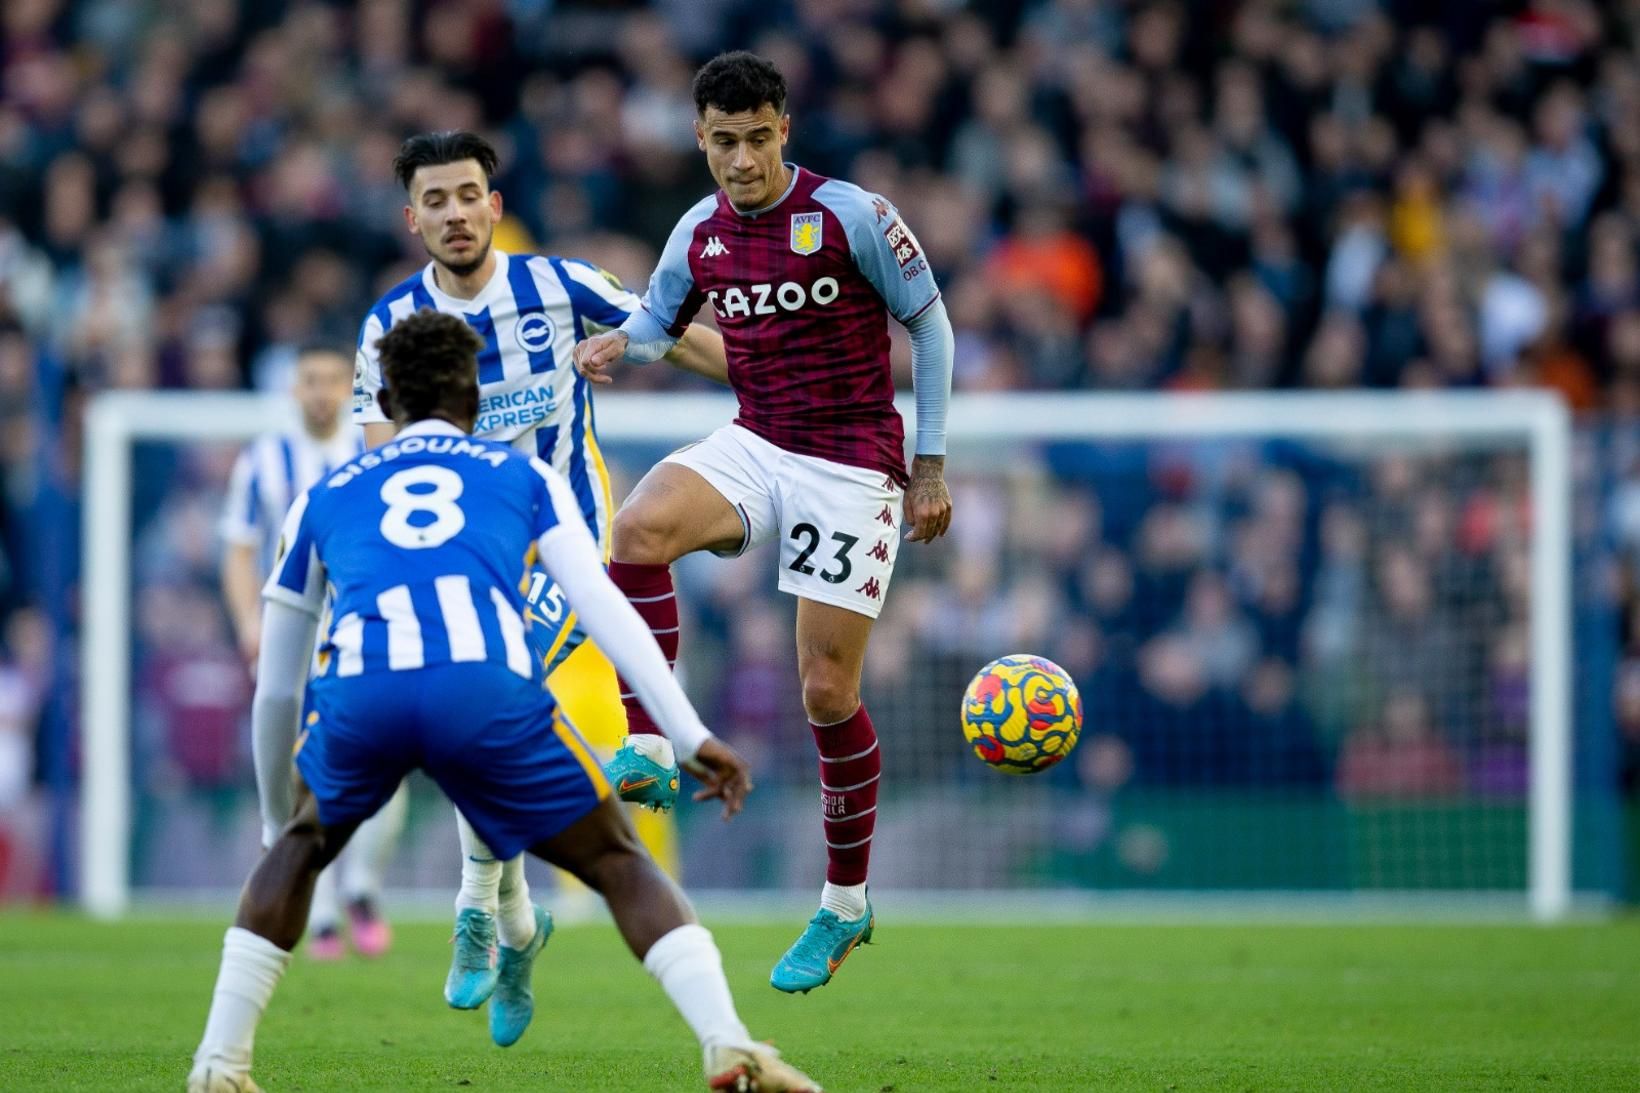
x: 414, y: 445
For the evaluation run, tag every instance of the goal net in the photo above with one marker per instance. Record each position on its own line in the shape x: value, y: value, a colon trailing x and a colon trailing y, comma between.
x: 1324, y: 644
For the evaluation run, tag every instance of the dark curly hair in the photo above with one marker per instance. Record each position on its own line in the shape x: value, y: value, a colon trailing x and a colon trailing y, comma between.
x: 739, y: 81
x: 430, y: 367
x: 449, y: 146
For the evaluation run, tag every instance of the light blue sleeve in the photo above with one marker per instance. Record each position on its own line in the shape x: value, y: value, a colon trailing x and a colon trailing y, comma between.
x: 646, y: 339
x: 884, y: 250
x: 933, y: 352
x: 672, y: 298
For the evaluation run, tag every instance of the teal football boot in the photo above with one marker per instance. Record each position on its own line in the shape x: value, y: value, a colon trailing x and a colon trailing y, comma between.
x: 472, y: 964
x: 513, y: 1003
x: 817, y: 954
x: 645, y: 772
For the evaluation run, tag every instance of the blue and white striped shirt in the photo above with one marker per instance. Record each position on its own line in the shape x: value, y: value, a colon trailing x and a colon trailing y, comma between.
x: 270, y: 471
x: 421, y: 543
x: 530, y: 315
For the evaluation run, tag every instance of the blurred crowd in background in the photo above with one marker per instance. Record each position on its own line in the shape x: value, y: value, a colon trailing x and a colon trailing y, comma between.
x: 1114, y: 194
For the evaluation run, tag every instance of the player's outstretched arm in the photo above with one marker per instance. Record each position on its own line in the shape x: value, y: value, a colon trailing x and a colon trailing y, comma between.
x: 281, y: 672
x: 597, y: 354
x: 242, y: 589
x: 727, y: 776
x: 700, y: 351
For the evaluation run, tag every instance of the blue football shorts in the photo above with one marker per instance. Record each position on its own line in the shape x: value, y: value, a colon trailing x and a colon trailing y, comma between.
x: 494, y: 742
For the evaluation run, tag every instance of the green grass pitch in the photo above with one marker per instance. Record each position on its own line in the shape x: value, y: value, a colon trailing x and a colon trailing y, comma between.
x: 1160, y: 1009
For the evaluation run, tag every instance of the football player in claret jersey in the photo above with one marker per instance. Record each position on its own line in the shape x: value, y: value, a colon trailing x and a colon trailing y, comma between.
x: 803, y: 274
x: 266, y: 478
x: 425, y: 665
x: 528, y: 311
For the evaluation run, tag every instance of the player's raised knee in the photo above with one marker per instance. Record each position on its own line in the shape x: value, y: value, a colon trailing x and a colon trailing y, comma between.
x: 644, y: 535
x: 829, y: 700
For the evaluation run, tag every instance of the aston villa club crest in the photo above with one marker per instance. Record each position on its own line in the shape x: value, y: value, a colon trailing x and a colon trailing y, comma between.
x: 806, y: 232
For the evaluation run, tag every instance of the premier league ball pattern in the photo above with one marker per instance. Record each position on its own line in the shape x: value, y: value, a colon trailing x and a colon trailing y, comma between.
x: 1021, y: 714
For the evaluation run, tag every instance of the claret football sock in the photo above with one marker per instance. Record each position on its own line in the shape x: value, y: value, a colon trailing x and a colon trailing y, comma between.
x: 649, y: 589
x: 251, y: 968
x: 850, y: 767
x: 687, y: 965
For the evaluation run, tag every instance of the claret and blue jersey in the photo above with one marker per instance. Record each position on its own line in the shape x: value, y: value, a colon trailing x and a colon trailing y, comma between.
x: 803, y: 291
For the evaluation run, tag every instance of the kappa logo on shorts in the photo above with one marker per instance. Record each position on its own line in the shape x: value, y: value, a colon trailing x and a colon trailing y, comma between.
x: 871, y: 588
x: 886, y: 516
x: 879, y: 552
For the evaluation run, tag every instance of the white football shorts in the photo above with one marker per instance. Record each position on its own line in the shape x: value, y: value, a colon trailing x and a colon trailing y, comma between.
x: 838, y: 526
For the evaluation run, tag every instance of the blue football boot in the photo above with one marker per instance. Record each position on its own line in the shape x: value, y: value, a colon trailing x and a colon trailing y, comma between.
x: 513, y: 1003
x: 472, y: 964
x: 645, y: 772
x: 817, y: 954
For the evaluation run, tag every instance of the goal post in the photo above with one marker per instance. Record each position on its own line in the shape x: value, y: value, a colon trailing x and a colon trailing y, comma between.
x: 979, y: 425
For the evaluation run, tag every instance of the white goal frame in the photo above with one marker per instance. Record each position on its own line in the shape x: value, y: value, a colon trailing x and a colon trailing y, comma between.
x: 118, y: 419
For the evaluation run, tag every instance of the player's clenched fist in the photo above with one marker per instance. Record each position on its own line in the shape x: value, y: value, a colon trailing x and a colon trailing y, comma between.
x: 726, y: 775
x: 594, y: 356
x: 927, y: 501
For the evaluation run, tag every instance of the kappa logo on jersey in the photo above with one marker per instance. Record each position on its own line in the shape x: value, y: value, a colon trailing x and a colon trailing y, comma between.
x: 767, y: 299
x: 534, y: 332
x: 806, y: 231
x: 879, y: 552
x: 904, y: 243
x: 714, y: 247
x: 881, y: 208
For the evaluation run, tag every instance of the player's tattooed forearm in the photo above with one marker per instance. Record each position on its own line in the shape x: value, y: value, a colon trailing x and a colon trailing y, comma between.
x: 924, y: 467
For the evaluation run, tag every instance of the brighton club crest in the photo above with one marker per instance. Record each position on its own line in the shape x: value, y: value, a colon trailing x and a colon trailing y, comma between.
x: 806, y: 232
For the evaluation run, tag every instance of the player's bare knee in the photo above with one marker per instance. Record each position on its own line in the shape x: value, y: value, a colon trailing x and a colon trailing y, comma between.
x: 640, y: 537
x: 828, y: 699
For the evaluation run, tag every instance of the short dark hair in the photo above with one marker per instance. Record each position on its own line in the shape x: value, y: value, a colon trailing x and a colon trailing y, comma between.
x: 323, y: 348
x: 739, y: 81
x: 448, y: 146
x: 430, y: 363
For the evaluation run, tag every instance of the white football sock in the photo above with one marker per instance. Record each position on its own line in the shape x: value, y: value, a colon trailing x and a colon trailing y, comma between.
x: 846, y: 901
x: 689, y: 968
x: 325, y: 913
x: 480, y: 872
x: 251, y: 967
x: 515, y: 916
x: 372, y: 846
x: 657, y: 749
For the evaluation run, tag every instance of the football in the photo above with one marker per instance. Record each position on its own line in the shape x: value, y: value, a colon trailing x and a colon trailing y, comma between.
x: 1021, y: 714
